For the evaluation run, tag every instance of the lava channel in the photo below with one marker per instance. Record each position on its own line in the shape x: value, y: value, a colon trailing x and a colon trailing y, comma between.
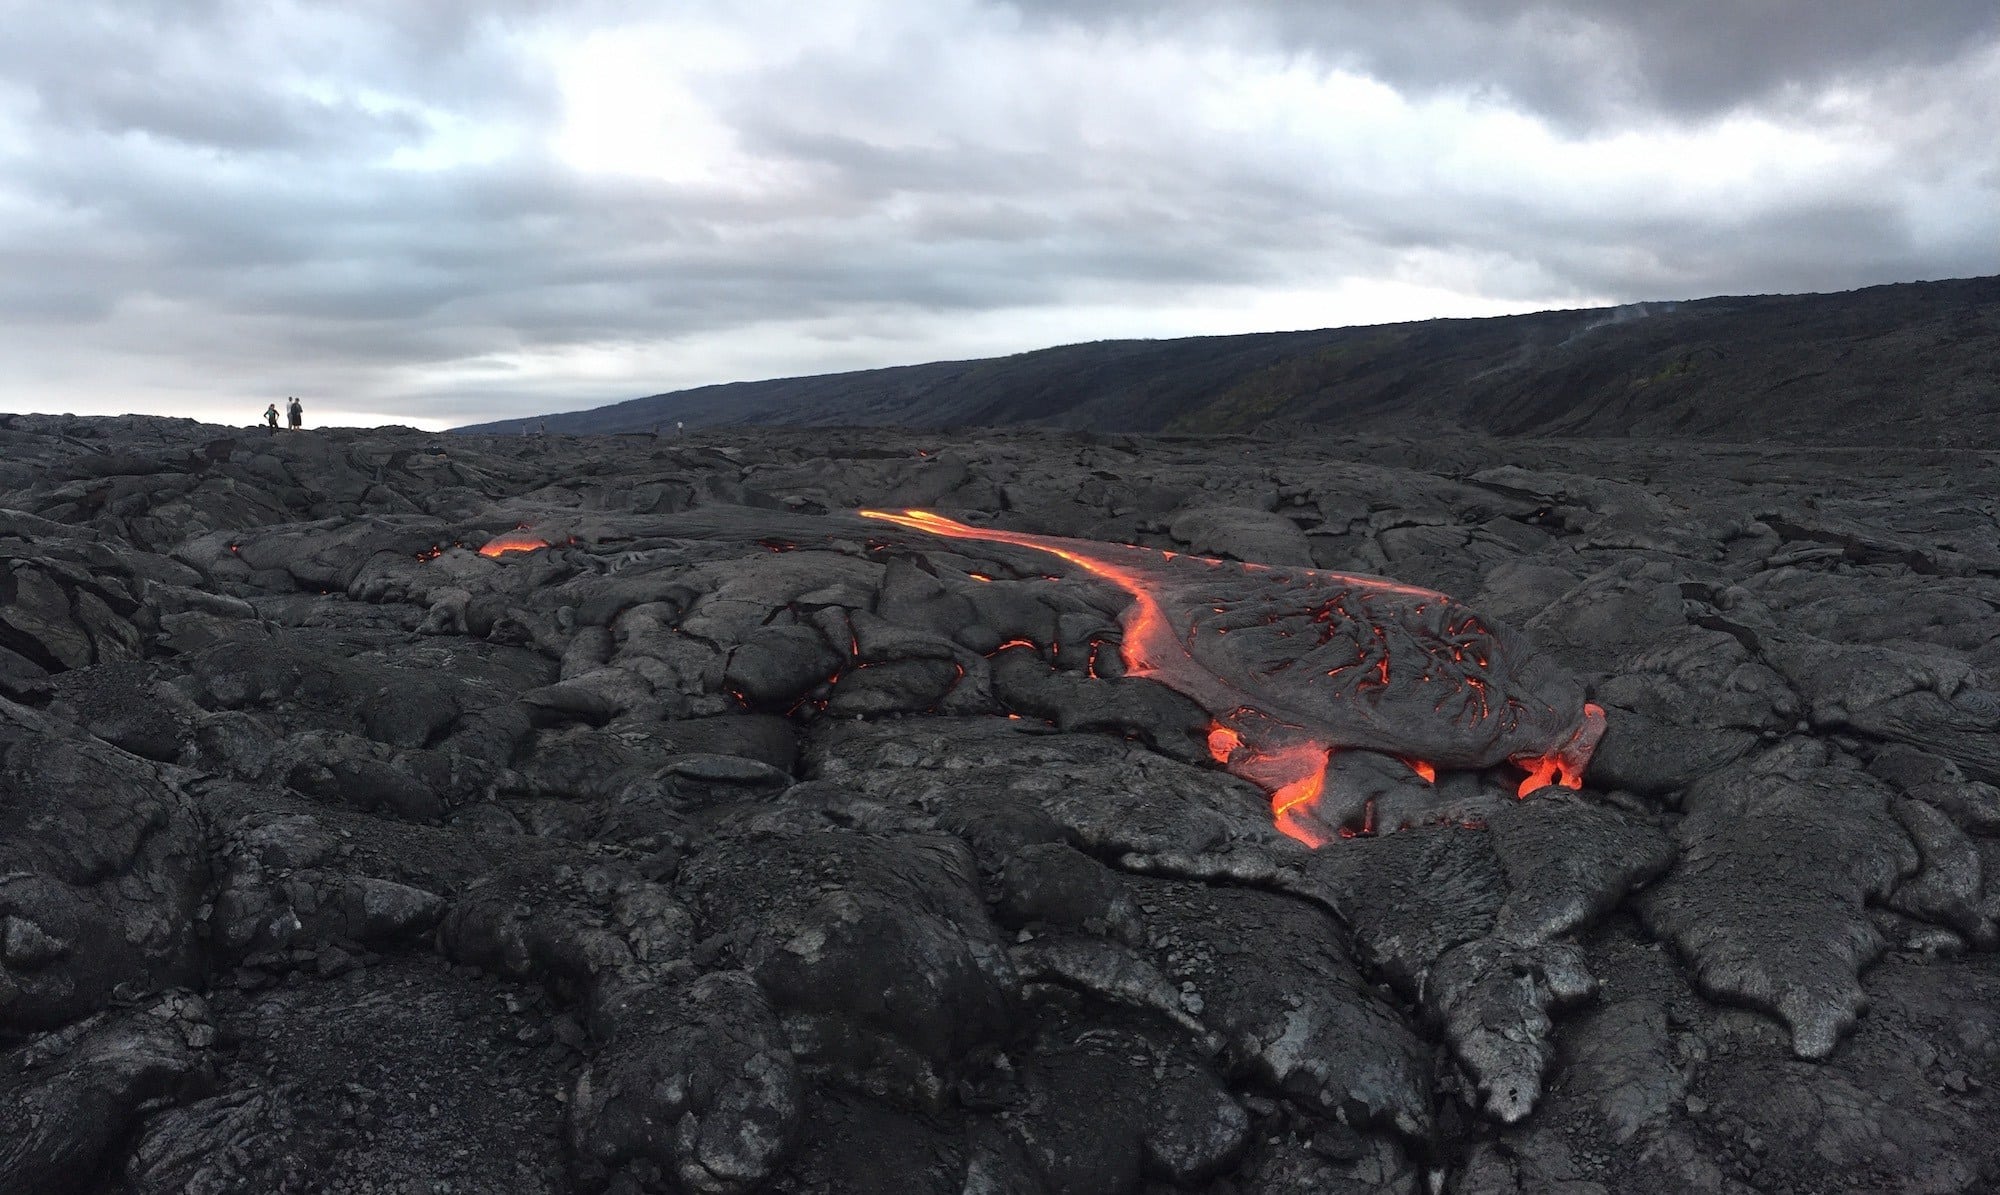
x: 1295, y: 665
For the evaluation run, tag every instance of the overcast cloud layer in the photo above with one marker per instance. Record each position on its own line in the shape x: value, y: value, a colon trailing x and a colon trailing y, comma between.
x: 440, y: 212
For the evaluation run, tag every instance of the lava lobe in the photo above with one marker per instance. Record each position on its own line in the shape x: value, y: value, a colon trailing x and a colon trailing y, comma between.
x: 512, y: 542
x: 1295, y: 665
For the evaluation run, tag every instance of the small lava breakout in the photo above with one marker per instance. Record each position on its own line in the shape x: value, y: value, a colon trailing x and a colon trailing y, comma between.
x: 513, y: 542
x: 1297, y: 666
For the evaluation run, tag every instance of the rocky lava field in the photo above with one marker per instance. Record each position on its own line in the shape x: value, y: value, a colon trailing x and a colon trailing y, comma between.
x: 382, y: 812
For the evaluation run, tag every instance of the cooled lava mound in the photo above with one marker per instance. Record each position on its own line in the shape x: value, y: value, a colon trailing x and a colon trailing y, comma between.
x: 543, y: 815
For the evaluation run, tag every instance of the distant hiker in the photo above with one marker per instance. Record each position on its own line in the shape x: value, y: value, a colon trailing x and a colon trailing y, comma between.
x: 680, y: 427
x: 296, y: 413
x: 271, y: 416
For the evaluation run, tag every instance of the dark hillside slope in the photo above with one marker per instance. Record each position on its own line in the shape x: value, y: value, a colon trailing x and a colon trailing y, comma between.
x: 1913, y: 363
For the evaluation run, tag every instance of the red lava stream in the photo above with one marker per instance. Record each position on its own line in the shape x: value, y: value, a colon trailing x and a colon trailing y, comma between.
x: 1290, y: 766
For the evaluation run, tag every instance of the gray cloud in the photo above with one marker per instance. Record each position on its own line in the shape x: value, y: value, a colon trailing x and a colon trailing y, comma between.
x: 373, y: 196
x: 1588, y: 60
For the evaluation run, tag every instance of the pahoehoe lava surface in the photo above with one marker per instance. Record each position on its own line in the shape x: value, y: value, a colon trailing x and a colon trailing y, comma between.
x: 387, y: 813
x: 1293, y: 665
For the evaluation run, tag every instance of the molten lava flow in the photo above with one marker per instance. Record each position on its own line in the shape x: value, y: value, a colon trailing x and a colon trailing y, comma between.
x: 1294, y: 665
x: 1542, y: 771
x: 1565, y: 764
x: 501, y: 545
x: 1148, y: 637
x: 1295, y: 776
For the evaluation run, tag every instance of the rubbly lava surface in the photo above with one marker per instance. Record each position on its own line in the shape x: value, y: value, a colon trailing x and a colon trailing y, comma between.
x: 543, y: 815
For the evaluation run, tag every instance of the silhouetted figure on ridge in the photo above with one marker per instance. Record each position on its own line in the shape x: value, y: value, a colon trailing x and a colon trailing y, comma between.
x: 296, y: 413
x: 271, y: 416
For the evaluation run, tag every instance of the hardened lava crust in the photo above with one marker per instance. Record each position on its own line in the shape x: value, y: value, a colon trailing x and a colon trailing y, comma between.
x: 994, y: 812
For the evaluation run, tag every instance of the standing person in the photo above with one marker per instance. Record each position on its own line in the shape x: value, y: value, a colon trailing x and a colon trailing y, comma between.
x: 271, y: 416
x: 297, y: 414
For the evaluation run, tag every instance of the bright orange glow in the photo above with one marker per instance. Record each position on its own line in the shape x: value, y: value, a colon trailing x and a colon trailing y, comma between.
x: 1147, y: 636
x: 1295, y: 777
x: 501, y: 545
x: 1542, y: 772
x: 1565, y: 765
x: 1258, y: 741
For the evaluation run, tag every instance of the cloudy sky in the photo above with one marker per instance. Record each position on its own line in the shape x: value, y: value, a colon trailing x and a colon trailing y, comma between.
x: 439, y: 211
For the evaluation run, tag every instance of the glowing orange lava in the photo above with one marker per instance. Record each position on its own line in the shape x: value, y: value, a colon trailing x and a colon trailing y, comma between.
x: 1148, y: 637
x: 1275, y: 750
x: 1564, y: 766
x: 501, y: 545
x: 1542, y: 772
x: 1295, y: 776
